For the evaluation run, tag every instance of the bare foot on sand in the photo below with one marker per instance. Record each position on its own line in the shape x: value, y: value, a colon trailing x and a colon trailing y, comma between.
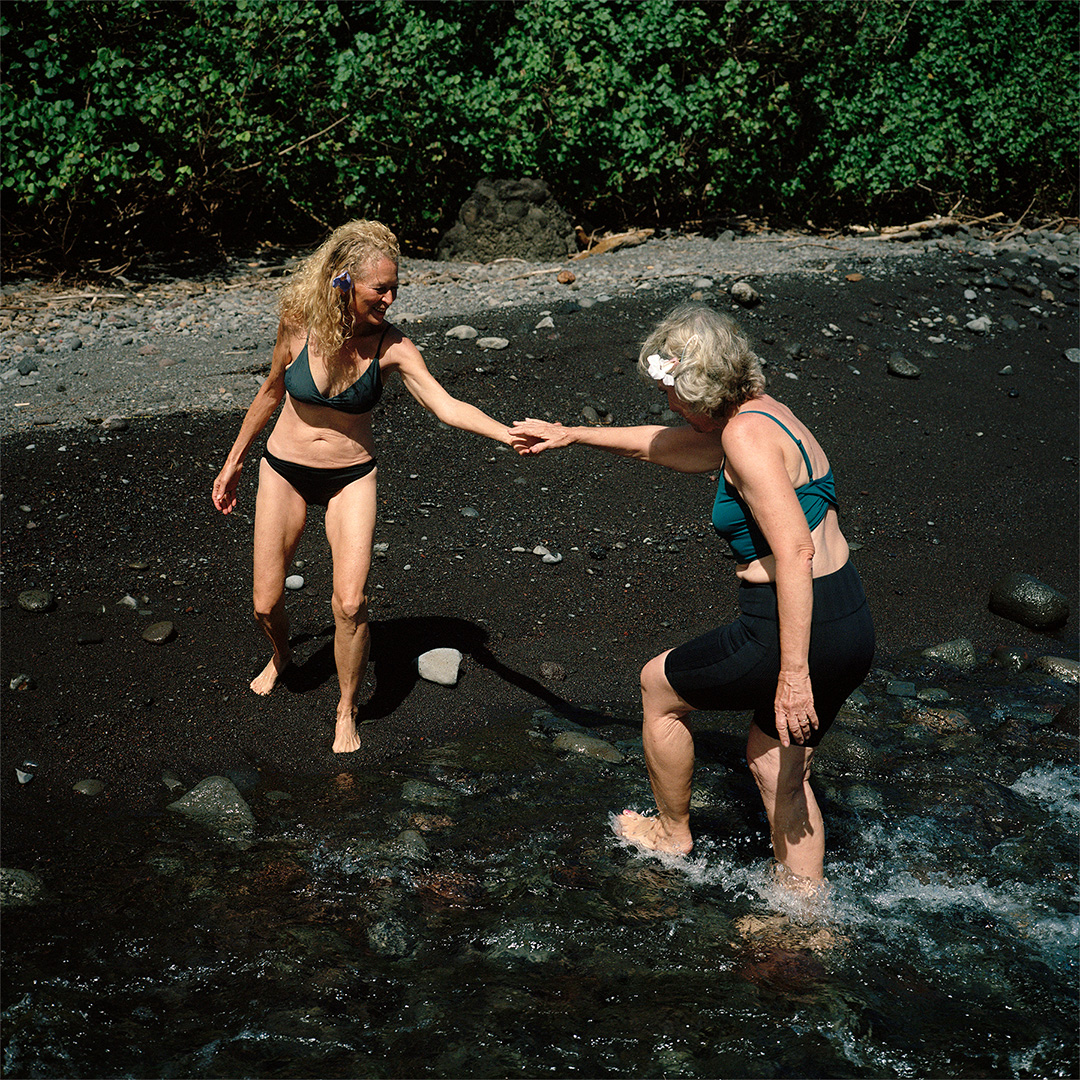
x: 346, y: 740
x: 267, y: 679
x: 649, y: 833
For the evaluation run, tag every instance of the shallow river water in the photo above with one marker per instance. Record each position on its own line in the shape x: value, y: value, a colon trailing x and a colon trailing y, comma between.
x: 468, y: 913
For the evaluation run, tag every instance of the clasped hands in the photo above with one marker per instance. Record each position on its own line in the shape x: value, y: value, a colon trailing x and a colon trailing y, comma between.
x: 531, y: 436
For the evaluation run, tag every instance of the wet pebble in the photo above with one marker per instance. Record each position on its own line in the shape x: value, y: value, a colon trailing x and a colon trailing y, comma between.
x: 959, y: 653
x: 902, y: 367
x: 1030, y: 602
x: 1059, y: 667
x: 36, y: 600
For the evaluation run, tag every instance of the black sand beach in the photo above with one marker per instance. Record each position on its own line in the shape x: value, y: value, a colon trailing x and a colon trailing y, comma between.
x: 948, y: 482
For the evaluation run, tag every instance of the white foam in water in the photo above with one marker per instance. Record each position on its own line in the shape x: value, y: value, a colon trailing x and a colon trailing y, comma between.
x: 1057, y: 788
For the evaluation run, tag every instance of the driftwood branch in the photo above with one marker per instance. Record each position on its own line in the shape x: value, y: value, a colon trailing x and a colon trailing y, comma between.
x: 618, y: 240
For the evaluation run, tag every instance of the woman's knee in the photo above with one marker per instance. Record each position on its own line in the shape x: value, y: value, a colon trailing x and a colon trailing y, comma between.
x: 654, y: 677
x: 350, y: 606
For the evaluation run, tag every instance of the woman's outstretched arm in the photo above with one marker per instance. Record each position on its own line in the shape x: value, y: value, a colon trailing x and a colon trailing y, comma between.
x: 680, y: 448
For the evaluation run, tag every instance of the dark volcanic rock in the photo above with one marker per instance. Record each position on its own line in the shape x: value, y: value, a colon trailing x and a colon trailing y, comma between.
x: 509, y: 219
x: 1028, y: 601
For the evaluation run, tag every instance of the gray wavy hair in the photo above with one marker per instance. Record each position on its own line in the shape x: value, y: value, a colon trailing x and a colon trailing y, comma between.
x: 717, y: 371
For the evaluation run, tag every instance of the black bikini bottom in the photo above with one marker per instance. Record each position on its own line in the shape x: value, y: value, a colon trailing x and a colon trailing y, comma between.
x: 317, y: 486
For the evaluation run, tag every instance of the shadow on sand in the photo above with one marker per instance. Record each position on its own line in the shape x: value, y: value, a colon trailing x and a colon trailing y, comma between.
x: 396, y: 645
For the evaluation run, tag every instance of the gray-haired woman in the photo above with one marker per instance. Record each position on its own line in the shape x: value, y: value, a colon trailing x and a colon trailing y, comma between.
x: 804, y: 638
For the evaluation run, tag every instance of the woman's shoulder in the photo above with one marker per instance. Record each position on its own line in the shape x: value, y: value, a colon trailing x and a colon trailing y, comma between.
x: 396, y: 348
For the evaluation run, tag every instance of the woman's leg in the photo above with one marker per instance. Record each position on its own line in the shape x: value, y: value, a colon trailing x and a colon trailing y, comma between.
x: 350, y: 528
x: 280, y: 514
x: 669, y: 756
x: 783, y: 778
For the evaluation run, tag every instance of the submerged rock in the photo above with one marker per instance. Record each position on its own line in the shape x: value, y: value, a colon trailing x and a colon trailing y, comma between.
x: 19, y: 888
x: 587, y: 745
x: 1059, y: 667
x: 218, y: 806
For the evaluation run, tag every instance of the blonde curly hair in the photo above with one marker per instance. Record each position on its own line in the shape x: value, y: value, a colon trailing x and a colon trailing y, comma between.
x: 717, y: 370
x: 309, y: 301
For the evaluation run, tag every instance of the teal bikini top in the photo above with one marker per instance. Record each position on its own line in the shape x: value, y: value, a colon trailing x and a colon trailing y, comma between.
x: 732, y: 519
x: 361, y: 397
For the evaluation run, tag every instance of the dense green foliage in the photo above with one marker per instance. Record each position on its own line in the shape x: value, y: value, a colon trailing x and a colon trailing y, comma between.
x: 140, y: 120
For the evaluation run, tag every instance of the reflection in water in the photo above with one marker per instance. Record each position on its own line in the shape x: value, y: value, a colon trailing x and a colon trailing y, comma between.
x: 469, y: 913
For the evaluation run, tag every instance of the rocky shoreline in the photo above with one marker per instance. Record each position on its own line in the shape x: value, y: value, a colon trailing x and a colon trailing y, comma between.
x: 153, y: 345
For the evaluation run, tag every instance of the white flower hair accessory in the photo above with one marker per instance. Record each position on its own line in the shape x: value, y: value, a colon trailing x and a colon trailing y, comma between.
x: 661, y: 369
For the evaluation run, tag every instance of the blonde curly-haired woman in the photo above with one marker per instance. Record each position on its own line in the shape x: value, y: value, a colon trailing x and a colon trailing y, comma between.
x: 334, y: 352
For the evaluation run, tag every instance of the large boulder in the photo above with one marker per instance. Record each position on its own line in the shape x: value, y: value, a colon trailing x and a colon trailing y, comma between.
x: 509, y: 219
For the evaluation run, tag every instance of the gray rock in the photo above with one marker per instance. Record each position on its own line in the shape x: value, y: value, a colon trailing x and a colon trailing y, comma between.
x: 981, y: 325
x: 89, y: 787
x: 160, y: 632
x: 1030, y: 602
x: 294, y: 582
x: 900, y: 688
x: 115, y: 423
x: 1014, y: 660
x: 19, y: 888
x: 902, y: 367
x: 462, y: 333
x: 440, y: 666
x: 745, y: 295
x: 36, y: 600
x: 959, y: 653
x: 1073, y: 356
x: 587, y: 745
x: 216, y: 805
x: 492, y: 342
x: 1059, y: 667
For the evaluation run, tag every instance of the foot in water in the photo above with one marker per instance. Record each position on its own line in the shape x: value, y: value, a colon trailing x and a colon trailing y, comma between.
x: 650, y: 834
x: 267, y: 679
x: 346, y: 739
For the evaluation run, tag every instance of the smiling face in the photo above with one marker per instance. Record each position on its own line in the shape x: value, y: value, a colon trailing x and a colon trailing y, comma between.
x: 374, y: 289
x: 698, y: 421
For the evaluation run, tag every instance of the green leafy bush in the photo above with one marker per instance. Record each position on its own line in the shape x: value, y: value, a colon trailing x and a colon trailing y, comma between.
x: 147, y: 122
